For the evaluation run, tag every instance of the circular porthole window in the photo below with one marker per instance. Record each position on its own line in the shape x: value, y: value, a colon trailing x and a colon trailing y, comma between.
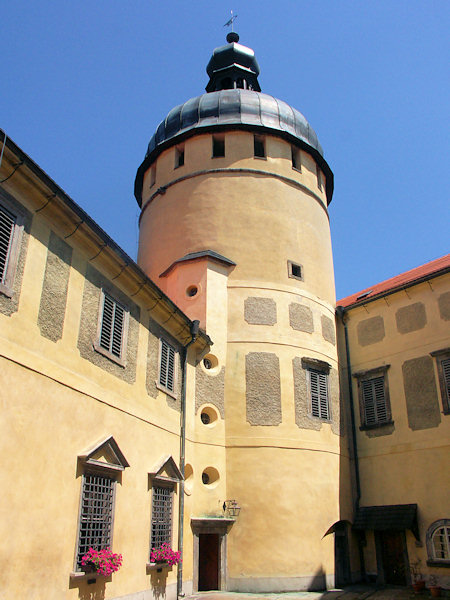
x: 210, y: 477
x: 211, y: 364
x: 192, y: 291
x: 208, y: 415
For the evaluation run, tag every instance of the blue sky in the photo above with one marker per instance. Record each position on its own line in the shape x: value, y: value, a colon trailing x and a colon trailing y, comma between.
x: 84, y: 85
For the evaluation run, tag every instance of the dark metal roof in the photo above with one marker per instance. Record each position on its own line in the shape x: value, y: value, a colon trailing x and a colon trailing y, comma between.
x: 231, y: 110
x: 381, y: 518
x: 201, y: 254
x: 227, y: 108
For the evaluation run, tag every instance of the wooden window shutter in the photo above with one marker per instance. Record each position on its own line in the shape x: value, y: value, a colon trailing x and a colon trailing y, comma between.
x: 446, y: 375
x: 319, y: 394
x: 111, y: 333
x: 167, y: 366
x: 7, y: 224
x: 374, y: 399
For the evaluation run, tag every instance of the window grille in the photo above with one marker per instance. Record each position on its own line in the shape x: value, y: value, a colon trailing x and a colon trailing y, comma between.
x: 441, y: 543
x: 319, y: 394
x: 112, y: 326
x: 161, y: 516
x: 96, y: 514
x: 376, y: 410
x: 7, y: 226
x: 167, y: 366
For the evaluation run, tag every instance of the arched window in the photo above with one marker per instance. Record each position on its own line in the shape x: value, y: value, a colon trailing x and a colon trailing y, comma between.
x: 438, y: 541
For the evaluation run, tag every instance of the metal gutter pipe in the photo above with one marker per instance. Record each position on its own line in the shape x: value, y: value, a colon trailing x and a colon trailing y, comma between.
x: 341, y: 312
x: 194, y: 333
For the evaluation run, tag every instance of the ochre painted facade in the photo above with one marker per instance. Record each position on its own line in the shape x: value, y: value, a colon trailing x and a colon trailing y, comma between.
x: 235, y: 239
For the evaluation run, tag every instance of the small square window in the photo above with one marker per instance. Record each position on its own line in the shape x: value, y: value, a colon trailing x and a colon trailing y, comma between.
x: 296, y: 158
x: 295, y: 271
x: 179, y: 156
x: 374, y: 404
x: 166, y: 377
x: 11, y: 228
x: 113, y: 329
x: 218, y: 146
x: 259, y: 146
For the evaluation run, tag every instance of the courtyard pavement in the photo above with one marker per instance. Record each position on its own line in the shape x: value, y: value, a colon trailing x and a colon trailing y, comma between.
x: 354, y: 592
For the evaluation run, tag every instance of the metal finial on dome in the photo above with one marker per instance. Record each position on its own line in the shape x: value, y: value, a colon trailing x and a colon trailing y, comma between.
x: 232, y: 36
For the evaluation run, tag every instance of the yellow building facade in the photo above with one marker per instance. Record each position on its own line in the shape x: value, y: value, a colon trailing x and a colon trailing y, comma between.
x: 394, y: 341
x: 200, y: 396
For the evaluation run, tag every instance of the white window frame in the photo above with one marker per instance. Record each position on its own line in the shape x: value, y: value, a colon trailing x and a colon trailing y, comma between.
x: 118, y: 311
x: 12, y: 247
x: 164, y: 368
x: 432, y: 532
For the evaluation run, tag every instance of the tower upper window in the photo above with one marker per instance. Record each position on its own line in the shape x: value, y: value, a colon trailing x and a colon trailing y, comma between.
x: 319, y: 177
x: 179, y: 156
x: 218, y: 146
x: 296, y: 158
x: 259, y: 146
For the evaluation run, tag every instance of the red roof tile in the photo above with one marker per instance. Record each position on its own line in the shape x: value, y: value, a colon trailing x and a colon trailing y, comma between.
x: 424, y: 272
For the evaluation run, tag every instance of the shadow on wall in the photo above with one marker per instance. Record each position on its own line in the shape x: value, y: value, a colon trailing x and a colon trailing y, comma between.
x: 158, y: 583
x: 318, y: 582
x: 92, y: 591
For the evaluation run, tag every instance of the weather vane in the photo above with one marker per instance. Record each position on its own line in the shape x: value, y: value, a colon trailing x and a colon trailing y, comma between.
x: 231, y: 21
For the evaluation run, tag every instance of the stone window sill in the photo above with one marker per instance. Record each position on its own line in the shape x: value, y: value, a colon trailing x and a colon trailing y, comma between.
x: 82, y: 576
x: 438, y: 563
x: 376, y: 426
x: 166, y: 391
x: 158, y: 567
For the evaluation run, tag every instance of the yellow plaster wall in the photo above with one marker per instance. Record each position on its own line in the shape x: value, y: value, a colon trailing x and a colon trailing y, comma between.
x: 407, y: 465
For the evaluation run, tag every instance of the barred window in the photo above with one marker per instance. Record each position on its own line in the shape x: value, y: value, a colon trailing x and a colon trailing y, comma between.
x: 318, y: 392
x: 162, y: 505
x: 96, y: 514
x: 441, y: 543
x: 167, y: 366
x: 10, y: 234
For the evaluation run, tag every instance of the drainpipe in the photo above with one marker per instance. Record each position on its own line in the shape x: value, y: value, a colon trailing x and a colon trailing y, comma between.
x: 340, y: 311
x: 194, y: 333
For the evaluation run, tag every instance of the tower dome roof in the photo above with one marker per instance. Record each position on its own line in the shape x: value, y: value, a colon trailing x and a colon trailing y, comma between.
x: 234, y: 101
x: 231, y: 108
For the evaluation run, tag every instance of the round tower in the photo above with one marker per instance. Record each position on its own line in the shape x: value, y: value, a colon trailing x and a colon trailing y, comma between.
x: 234, y: 227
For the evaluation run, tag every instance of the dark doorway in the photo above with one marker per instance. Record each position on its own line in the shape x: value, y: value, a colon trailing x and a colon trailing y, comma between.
x: 341, y: 555
x: 208, y: 561
x: 393, y: 557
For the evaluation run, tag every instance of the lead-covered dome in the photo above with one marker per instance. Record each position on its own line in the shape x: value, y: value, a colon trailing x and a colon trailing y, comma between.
x: 231, y: 108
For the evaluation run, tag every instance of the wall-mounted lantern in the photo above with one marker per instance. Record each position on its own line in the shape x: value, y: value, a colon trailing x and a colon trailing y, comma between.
x: 231, y: 509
